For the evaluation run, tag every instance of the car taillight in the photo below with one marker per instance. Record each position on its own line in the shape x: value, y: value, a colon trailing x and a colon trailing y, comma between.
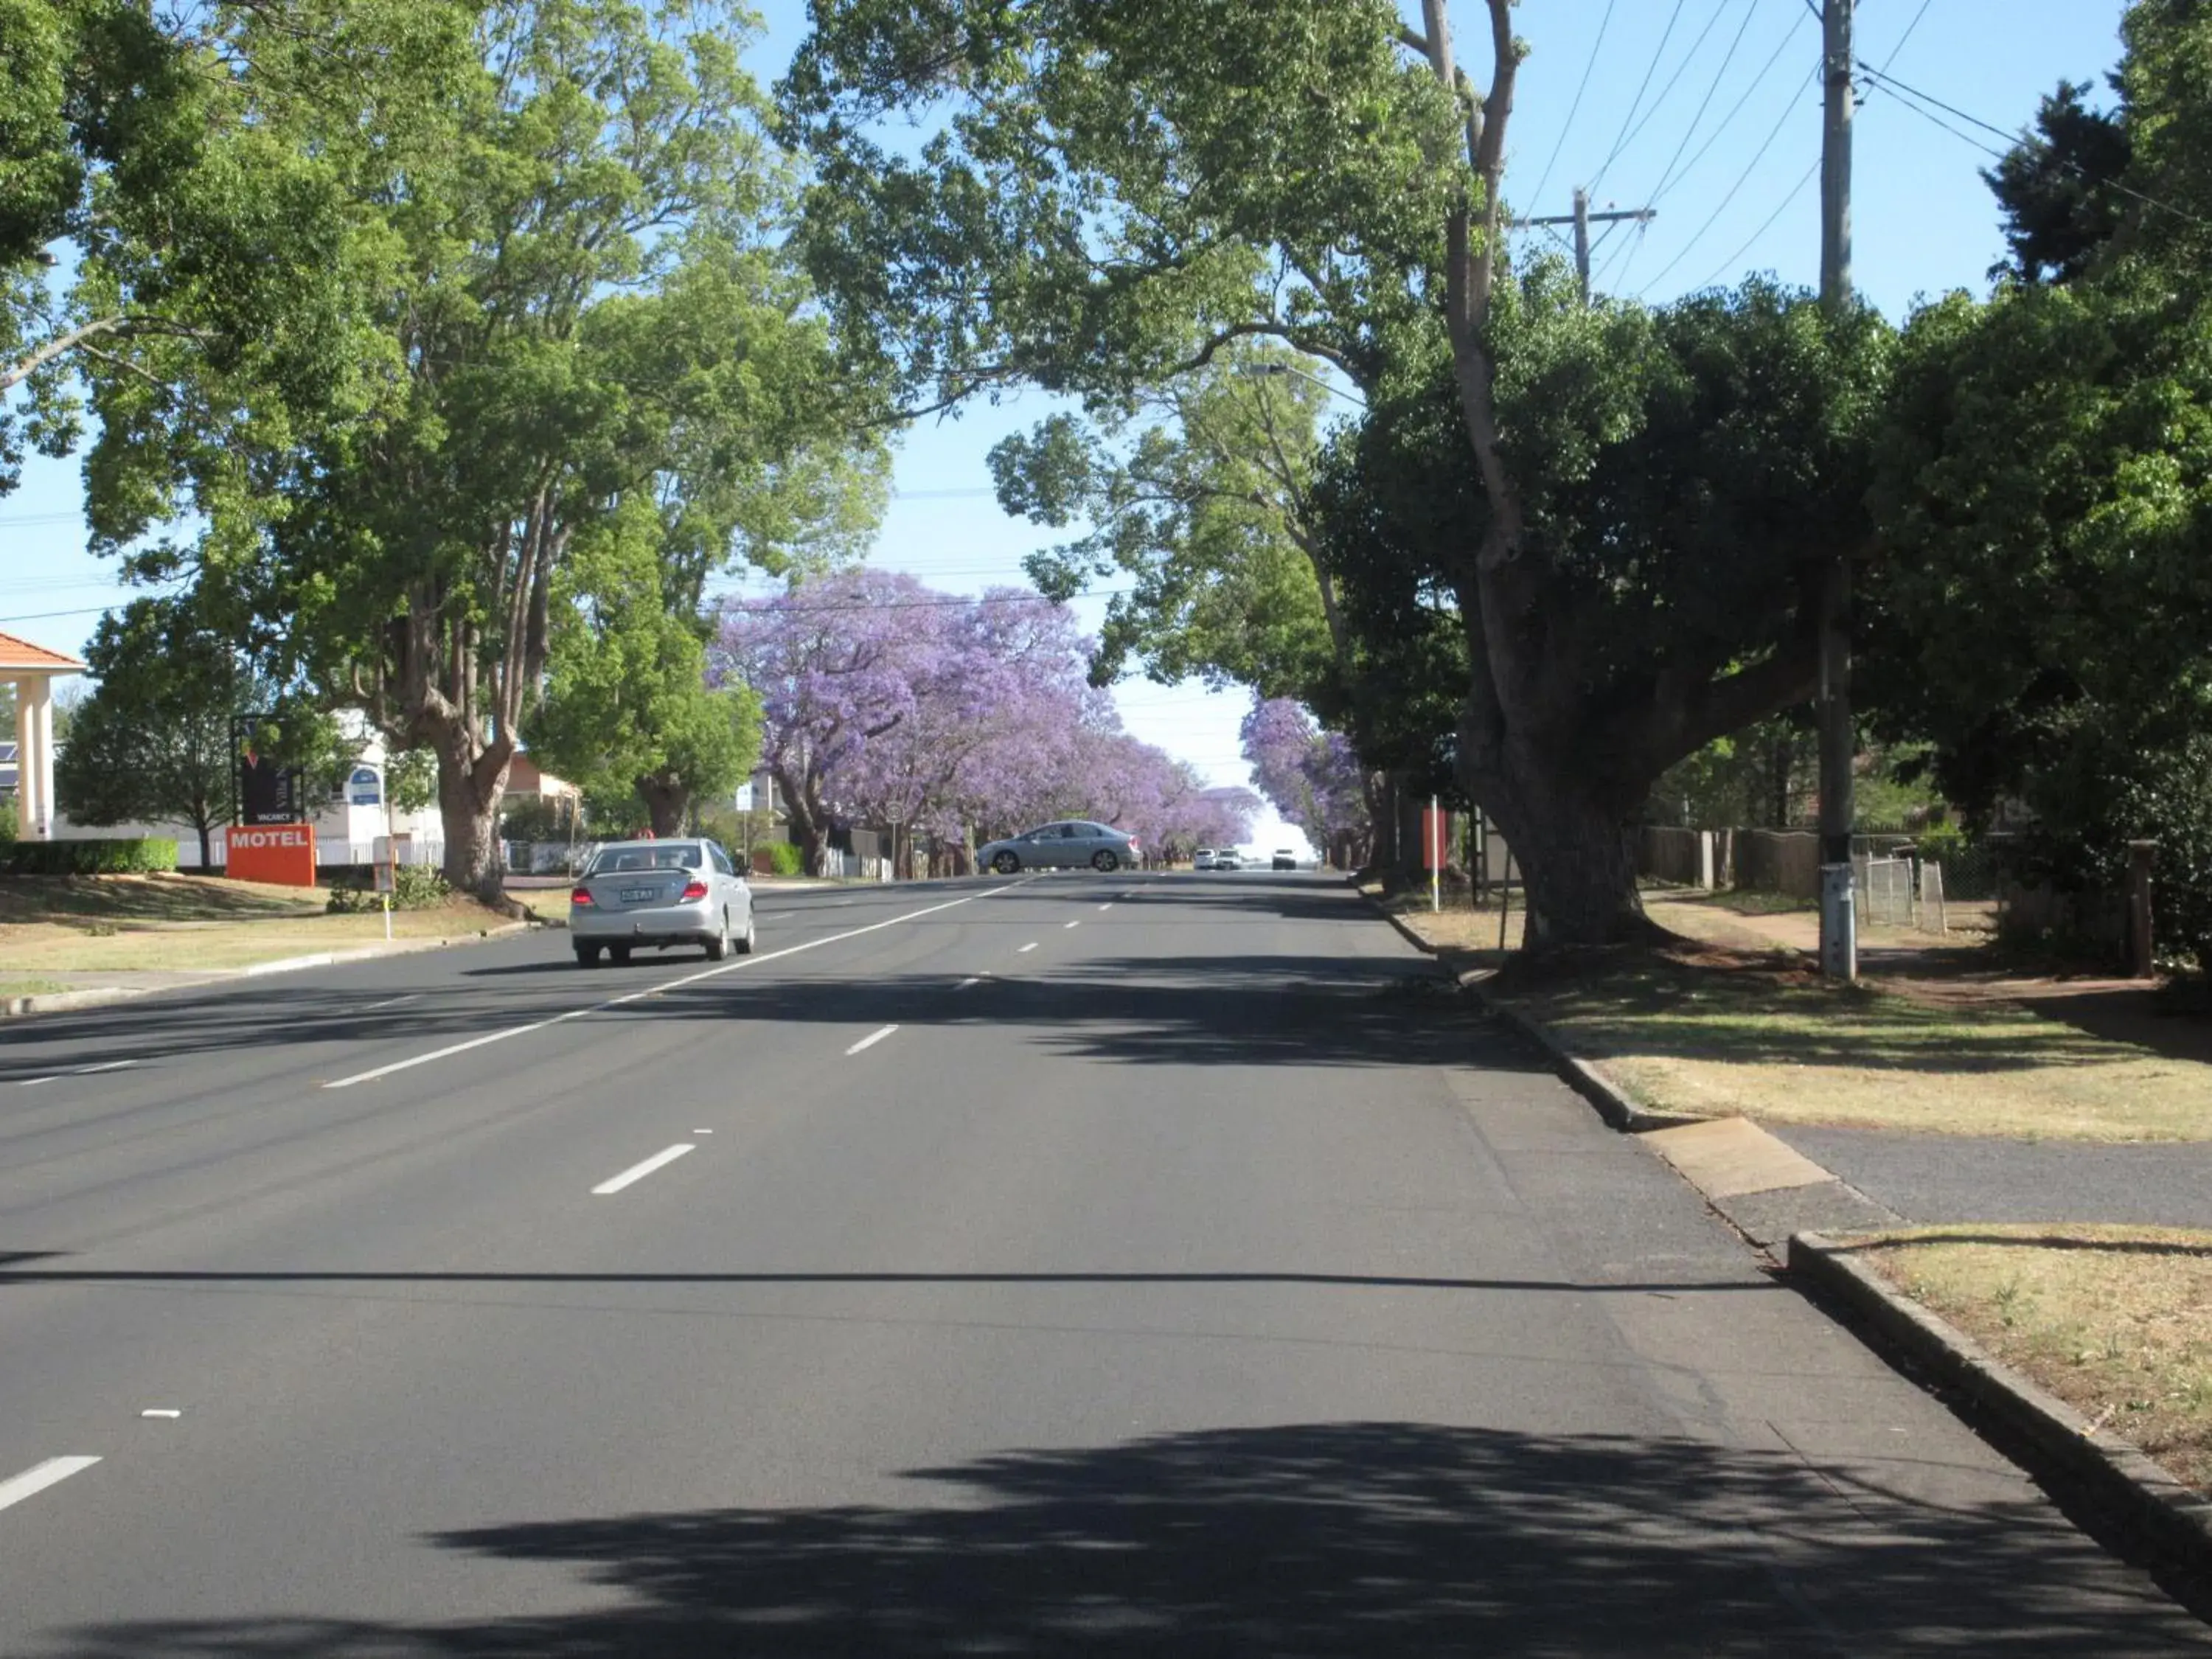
x: 580, y: 896
x: 696, y: 890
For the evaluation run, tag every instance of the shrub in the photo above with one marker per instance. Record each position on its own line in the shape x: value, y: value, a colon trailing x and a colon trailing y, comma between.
x: 137, y: 856
x: 533, y: 817
x: 783, y: 858
x: 415, y: 887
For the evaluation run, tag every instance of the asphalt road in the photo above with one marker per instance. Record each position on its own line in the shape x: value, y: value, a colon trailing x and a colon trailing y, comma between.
x: 1150, y: 1266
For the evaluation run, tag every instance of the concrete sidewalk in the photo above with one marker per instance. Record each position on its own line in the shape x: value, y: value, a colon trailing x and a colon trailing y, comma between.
x: 1934, y: 1178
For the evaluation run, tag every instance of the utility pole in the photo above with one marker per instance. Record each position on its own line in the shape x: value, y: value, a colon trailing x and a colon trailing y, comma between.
x: 1582, y: 219
x: 1839, y: 955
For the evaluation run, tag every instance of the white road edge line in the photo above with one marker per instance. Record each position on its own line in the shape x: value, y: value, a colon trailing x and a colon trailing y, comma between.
x: 105, y: 1066
x: 1031, y: 945
x: 668, y: 984
x: 36, y: 1478
x: 34, y: 1082
x: 637, y: 1172
x: 391, y: 1002
x: 976, y: 979
x: 1077, y: 922
x: 871, y: 1039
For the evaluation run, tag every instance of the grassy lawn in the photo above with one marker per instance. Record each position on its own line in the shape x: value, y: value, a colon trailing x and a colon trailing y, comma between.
x: 125, y: 924
x: 2115, y: 1320
x: 149, y: 900
x: 30, y: 987
x: 1782, y: 1046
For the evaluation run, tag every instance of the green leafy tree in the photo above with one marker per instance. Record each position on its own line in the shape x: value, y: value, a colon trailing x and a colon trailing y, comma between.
x: 177, y: 193
x: 583, y: 299
x: 2045, y: 618
x: 2056, y: 188
x: 627, y: 701
x: 1197, y: 502
x: 1123, y: 188
x: 152, y: 742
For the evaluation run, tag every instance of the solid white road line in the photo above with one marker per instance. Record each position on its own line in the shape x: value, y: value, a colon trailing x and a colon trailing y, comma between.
x: 871, y: 1039
x: 34, y: 1082
x: 638, y: 1172
x: 965, y: 983
x: 1031, y: 945
x: 391, y: 1002
x: 666, y: 985
x: 36, y: 1478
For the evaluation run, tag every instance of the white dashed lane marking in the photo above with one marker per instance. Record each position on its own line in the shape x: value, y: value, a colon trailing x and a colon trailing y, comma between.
x: 40, y: 1476
x: 871, y: 1039
x: 637, y: 1172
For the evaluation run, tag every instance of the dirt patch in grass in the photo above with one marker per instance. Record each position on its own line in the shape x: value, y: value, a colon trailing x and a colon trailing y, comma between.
x: 1463, y: 935
x: 1707, y: 1031
x: 2116, y: 1321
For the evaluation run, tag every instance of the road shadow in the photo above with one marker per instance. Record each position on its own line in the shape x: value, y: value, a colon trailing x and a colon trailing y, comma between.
x: 1328, y: 1539
x: 1217, y: 1007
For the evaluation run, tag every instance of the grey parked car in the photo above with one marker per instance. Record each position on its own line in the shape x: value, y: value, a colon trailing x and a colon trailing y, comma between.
x: 660, y: 893
x: 1069, y: 845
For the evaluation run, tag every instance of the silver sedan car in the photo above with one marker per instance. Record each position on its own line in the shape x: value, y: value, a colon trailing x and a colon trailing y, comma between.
x: 1072, y: 844
x: 635, y: 894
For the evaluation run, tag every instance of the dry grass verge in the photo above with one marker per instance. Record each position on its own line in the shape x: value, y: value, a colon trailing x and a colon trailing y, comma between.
x: 1712, y: 1032
x: 171, y: 923
x: 2115, y: 1320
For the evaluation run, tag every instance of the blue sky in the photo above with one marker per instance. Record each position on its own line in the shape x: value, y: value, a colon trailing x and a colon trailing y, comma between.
x: 1924, y: 224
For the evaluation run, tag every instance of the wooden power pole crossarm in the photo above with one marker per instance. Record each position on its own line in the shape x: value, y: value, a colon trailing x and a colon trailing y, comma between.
x: 1582, y: 219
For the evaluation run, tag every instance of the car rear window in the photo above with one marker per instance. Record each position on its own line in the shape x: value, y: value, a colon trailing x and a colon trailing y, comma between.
x: 636, y: 860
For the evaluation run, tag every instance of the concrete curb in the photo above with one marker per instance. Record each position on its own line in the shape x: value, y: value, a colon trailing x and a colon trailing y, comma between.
x: 58, y: 1002
x: 1611, y: 1101
x: 2140, y: 1497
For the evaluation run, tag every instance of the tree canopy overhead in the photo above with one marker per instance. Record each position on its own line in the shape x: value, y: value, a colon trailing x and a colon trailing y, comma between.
x: 582, y: 314
x: 1117, y: 192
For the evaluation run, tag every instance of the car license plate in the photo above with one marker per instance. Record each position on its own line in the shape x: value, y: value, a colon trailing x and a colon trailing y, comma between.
x: 639, y: 895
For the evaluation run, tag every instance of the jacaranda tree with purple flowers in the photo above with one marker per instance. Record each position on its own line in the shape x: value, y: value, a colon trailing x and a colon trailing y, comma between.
x: 887, y: 704
x: 1313, y: 777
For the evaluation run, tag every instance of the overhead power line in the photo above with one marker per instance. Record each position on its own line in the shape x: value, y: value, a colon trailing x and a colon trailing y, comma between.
x: 1750, y: 8
x: 1537, y: 195
x: 1912, y: 98
x: 1751, y: 241
x: 1636, y: 103
x: 1667, y: 91
x: 1758, y: 155
x: 1735, y: 109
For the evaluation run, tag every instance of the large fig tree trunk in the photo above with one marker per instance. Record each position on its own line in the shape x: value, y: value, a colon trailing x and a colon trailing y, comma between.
x: 1581, y: 887
x: 667, y: 803
x: 470, y: 789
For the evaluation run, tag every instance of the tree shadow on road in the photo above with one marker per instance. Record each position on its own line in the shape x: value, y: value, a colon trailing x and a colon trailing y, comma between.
x: 1323, y: 1540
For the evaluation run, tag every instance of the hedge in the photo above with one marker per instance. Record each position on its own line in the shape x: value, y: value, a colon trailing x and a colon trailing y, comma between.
x: 88, y: 858
x: 782, y: 859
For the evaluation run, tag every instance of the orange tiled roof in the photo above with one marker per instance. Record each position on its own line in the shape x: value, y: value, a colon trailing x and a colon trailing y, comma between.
x: 22, y: 653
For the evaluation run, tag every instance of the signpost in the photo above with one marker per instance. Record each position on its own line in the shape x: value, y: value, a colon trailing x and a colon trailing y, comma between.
x: 387, y: 854
x: 268, y: 793
x: 283, y: 854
